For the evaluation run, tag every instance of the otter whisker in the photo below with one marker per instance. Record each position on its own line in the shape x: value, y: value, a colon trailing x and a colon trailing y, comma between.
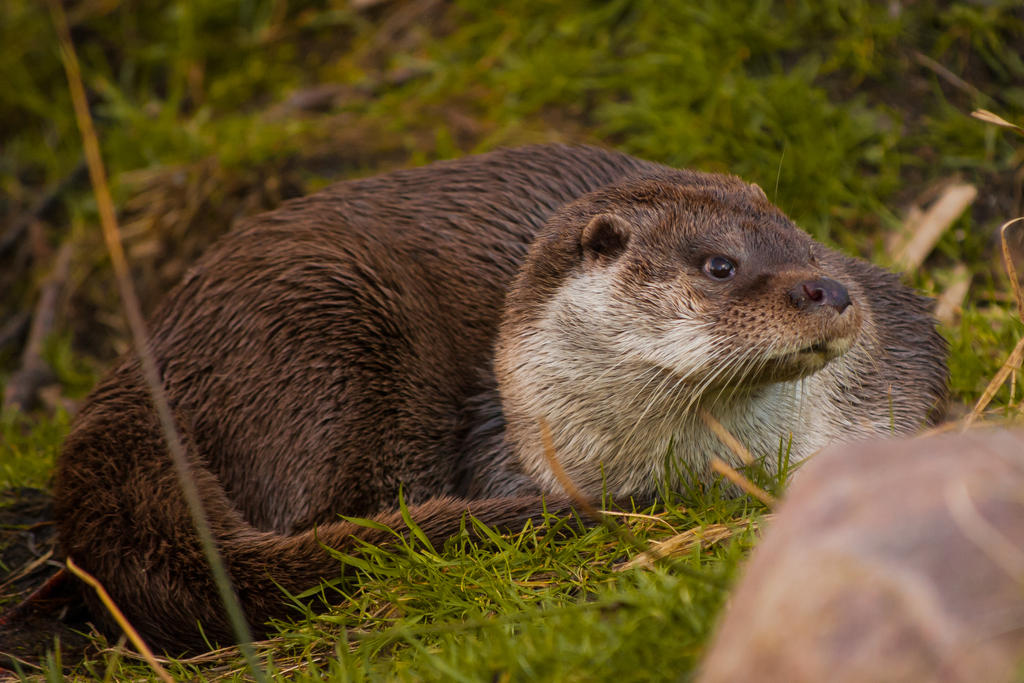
x: 654, y: 400
x: 722, y: 366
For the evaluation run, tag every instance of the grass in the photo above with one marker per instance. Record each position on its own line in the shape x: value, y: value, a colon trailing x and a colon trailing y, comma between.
x: 827, y: 105
x: 547, y: 604
x: 28, y: 448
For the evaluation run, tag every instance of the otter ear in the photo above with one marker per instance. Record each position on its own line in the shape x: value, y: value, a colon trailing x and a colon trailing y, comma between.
x: 605, y: 236
x: 757, y: 188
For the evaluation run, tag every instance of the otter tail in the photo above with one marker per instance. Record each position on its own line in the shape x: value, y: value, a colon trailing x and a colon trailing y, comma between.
x: 122, y: 517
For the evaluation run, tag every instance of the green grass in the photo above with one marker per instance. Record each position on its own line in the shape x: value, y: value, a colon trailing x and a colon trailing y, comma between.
x: 548, y: 604
x: 825, y: 104
x: 28, y: 448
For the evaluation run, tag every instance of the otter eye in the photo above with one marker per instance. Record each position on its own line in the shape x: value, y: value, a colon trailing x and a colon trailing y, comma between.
x: 719, y: 268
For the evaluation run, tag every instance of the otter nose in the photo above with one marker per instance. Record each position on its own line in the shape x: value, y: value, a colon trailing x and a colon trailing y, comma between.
x: 820, y: 292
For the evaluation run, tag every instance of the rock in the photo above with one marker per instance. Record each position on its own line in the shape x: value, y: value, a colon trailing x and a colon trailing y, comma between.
x: 898, y: 560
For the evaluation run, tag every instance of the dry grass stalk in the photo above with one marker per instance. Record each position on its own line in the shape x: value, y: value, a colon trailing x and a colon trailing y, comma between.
x: 684, y: 542
x: 726, y: 437
x: 929, y: 226
x: 1011, y: 267
x: 223, y: 654
x: 1013, y: 361
x: 637, y: 515
x: 564, y: 480
x: 946, y: 75
x: 741, y: 452
x: 119, y: 617
x: 621, y: 531
x: 989, y: 117
x: 749, y: 487
x: 951, y: 301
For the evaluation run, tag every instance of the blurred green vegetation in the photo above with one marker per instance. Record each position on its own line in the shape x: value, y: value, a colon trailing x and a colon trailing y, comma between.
x: 819, y: 102
x: 844, y: 111
x: 28, y: 448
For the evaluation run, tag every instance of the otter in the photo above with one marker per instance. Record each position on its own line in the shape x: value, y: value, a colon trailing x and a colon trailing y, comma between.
x: 406, y: 334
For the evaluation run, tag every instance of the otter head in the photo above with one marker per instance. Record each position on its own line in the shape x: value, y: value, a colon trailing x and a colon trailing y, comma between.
x: 643, y: 301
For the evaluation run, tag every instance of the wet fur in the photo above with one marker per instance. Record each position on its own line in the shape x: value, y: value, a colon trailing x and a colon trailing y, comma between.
x: 326, y: 355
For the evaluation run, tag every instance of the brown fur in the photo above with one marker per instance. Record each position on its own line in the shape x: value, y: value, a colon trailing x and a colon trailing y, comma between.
x: 322, y: 357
